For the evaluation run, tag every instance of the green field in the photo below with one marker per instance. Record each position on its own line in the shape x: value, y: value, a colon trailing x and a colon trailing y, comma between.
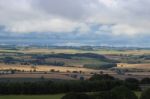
x: 73, y: 51
x: 32, y: 97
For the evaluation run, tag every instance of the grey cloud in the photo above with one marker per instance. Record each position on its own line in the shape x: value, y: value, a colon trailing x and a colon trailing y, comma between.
x: 76, y: 9
x: 65, y: 8
x: 128, y: 16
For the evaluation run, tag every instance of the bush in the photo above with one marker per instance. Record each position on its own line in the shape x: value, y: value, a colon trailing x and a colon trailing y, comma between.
x: 145, y: 94
x: 122, y: 93
x: 76, y: 96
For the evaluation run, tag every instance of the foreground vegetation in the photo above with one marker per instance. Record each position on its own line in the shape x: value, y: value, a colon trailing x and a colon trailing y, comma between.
x: 99, y: 86
x: 95, y: 84
x: 58, y: 96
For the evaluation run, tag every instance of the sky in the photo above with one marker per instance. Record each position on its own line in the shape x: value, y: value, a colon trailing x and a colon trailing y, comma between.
x: 76, y: 22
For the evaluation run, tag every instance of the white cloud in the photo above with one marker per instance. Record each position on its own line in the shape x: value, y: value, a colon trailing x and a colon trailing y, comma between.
x: 41, y: 25
x: 124, y: 29
x: 52, y: 25
x: 127, y: 17
x: 109, y: 3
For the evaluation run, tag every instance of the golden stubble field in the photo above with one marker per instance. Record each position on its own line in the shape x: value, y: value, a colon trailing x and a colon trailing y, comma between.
x: 45, y: 68
x: 145, y: 66
x: 44, y: 71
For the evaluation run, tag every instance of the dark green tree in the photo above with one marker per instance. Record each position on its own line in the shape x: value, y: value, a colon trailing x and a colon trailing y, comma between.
x: 102, y: 95
x: 132, y: 80
x: 122, y: 93
x: 101, y: 77
x: 145, y: 81
x: 145, y: 94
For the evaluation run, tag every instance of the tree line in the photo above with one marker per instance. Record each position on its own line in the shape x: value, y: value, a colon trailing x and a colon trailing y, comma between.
x: 95, y: 84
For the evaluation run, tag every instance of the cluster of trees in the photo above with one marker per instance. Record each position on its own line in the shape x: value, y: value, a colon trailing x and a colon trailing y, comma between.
x: 101, y: 65
x: 136, y: 81
x: 11, y: 60
x: 43, y: 62
x: 145, y: 81
x: 96, y: 83
x: 101, y: 86
x: 49, y: 87
x: 145, y: 94
x: 120, y: 92
x: 68, y: 56
x: 146, y: 57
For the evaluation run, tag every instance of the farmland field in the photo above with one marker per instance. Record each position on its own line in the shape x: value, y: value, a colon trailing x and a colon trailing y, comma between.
x: 73, y: 51
x: 30, y: 62
x: 100, y: 51
x: 137, y: 66
x: 44, y: 68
